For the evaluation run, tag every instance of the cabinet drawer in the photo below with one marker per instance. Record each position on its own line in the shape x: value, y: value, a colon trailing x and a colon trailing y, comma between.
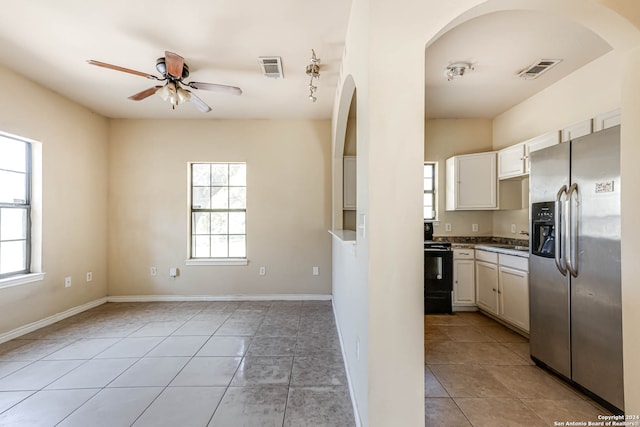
x: 517, y: 262
x: 487, y: 256
x: 463, y: 254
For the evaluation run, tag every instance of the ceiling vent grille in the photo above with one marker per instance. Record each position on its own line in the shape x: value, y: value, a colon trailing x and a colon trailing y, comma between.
x: 271, y: 66
x: 539, y: 68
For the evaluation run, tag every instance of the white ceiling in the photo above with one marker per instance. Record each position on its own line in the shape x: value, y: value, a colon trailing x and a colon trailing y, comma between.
x: 221, y: 40
x: 499, y: 45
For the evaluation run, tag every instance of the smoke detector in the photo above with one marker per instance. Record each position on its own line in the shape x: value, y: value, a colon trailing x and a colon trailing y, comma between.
x: 271, y: 66
x: 538, y: 68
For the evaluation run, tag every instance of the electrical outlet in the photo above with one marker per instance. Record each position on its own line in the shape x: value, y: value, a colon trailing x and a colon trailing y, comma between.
x: 513, y: 228
x: 67, y: 282
x: 474, y: 228
x: 263, y: 271
x: 447, y: 227
x: 89, y: 276
x: 316, y: 271
x: 153, y: 271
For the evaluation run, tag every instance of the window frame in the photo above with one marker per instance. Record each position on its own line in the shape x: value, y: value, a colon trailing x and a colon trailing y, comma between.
x: 26, y: 205
x: 433, y: 191
x: 228, y: 260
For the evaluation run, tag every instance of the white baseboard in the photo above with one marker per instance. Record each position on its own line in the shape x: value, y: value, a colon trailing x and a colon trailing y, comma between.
x: 23, y: 330
x: 352, y: 394
x: 165, y: 298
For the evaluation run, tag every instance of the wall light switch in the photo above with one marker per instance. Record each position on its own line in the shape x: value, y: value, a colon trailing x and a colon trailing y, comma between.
x: 153, y: 271
x: 447, y: 227
x: 263, y: 271
x: 316, y: 271
x: 67, y: 282
x: 513, y: 228
x: 89, y: 276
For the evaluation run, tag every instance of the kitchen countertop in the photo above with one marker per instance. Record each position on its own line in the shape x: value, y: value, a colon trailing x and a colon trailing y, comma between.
x: 509, y: 250
x: 493, y: 247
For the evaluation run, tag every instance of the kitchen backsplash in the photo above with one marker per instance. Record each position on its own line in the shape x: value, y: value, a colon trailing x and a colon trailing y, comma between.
x: 476, y: 240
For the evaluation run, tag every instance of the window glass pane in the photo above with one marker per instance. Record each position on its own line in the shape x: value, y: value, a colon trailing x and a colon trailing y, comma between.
x: 237, y: 246
x: 13, y: 224
x: 219, y: 223
x: 201, y: 174
x: 12, y: 187
x: 428, y: 213
x: 237, y: 197
x: 219, y: 174
x: 201, y: 198
x: 219, y: 247
x: 237, y: 223
x: 428, y: 184
x: 201, y: 246
x: 428, y: 199
x: 238, y: 174
x: 14, y: 154
x: 428, y: 171
x: 219, y: 197
x: 201, y: 223
x: 13, y: 256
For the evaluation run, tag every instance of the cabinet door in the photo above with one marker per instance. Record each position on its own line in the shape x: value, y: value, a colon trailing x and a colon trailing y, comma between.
x: 511, y: 161
x: 487, y: 286
x: 463, y: 282
x: 576, y: 130
x: 472, y: 182
x: 538, y: 143
x: 349, y: 183
x: 514, y: 296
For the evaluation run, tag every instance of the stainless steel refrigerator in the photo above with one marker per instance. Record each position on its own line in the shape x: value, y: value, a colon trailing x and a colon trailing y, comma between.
x: 574, y: 264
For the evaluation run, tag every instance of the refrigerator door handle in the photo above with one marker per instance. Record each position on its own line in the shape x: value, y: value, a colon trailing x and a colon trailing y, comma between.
x: 571, y: 257
x: 560, y: 264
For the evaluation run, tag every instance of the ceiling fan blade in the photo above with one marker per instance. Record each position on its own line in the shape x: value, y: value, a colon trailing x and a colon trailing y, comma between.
x: 174, y: 63
x: 145, y: 93
x: 124, y: 70
x: 215, y: 87
x: 199, y: 103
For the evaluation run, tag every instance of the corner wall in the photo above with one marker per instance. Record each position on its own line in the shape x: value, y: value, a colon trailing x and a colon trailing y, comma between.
x: 74, y: 200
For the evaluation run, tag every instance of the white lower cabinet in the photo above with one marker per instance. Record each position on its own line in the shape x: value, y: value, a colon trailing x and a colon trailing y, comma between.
x: 487, y: 286
x: 513, y: 278
x: 502, y: 287
x: 464, y: 289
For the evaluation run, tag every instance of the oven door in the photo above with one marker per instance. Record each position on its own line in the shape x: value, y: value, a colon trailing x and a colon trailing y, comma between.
x: 438, y: 281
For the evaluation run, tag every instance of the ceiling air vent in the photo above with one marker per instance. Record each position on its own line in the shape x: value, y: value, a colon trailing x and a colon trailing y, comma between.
x: 536, y: 70
x: 271, y: 66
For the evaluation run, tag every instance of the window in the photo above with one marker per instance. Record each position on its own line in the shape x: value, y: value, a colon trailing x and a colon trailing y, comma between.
x: 429, y: 204
x: 15, y: 206
x: 218, y: 210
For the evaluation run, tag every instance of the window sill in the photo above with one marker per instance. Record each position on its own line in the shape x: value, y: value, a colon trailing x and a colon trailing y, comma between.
x: 217, y: 261
x: 21, y: 279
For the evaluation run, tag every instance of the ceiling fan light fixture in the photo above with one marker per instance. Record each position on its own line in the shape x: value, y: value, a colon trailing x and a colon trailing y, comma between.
x: 182, y: 95
x: 457, y: 69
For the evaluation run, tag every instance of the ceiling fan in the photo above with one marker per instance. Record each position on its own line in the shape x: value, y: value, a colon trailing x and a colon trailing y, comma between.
x: 173, y: 70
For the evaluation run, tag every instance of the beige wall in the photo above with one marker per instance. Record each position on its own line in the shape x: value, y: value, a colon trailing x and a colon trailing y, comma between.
x: 445, y: 138
x: 74, y: 200
x: 288, y: 205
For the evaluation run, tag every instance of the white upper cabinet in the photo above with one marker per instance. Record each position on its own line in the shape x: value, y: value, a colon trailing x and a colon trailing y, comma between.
x: 607, y: 120
x: 576, y: 130
x: 511, y: 161
x: 471, y: 182
x: 538, y: 143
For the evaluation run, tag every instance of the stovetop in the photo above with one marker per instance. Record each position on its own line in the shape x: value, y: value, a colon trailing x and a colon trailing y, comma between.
x: 433, y: 244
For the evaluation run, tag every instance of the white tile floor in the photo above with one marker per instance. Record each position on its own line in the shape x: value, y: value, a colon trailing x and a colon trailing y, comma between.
x: 179, y: 364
